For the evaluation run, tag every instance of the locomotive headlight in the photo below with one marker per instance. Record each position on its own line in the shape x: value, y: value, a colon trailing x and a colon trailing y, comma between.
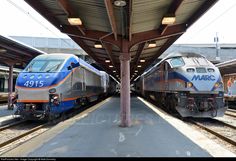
x: 189, y: 84
x: 218, y: 84
x: 33, y: 107
x: 55, y: 97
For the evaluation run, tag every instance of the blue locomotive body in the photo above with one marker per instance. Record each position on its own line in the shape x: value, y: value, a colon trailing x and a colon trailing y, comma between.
x: 52, y: 84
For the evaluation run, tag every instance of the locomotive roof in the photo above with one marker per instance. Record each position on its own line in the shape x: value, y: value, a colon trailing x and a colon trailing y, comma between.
x: 88, y: 66
x: 66, y: 56
x: 54, y: 56
x: 172, y: 55
x: 4, y: 68
x: 179, y: 54
x: 183, y: 54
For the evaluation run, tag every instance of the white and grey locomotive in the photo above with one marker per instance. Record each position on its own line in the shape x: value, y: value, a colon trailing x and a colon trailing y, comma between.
x: 187, y: 83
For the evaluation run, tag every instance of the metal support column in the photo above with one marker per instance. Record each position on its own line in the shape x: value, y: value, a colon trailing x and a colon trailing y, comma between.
x: 10, y: 87
x: 125, y: 90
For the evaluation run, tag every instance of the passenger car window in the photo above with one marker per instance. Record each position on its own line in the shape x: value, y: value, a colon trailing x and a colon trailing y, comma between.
x: 177, y: 62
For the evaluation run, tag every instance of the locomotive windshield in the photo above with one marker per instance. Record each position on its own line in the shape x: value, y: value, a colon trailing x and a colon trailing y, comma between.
x: 44, y: 66
x: 177, y: 62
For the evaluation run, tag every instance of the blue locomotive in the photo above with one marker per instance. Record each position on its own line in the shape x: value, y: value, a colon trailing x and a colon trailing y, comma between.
x: 187, y: 83
x: 54, y: 83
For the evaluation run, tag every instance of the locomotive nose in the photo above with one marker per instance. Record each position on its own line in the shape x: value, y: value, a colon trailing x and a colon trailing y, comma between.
x: 33, y: 87
x: 36, y: 80
x: 206, y: 82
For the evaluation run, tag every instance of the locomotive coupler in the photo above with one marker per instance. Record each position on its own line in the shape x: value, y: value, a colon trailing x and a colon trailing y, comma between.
x: 191, y: 103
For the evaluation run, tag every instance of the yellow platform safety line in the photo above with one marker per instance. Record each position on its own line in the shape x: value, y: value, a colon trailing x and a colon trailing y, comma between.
x: 198, y: 138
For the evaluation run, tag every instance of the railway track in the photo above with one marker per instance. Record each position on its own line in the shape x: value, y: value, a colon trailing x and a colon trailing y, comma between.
x: 2, y: 128
x: 13, y: 135
x: 16, y: 133
x: 222, y: 130
x: 231, y: 112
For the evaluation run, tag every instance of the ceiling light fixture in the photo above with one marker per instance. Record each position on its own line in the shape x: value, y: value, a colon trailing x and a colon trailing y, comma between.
x: 97, y: 45
x: 3, y: 50
x: 168, y: 19
x: 75, y: 21
x: 120, y: 3
x: 142, y: 60
x: 152, y: 44
x: 139, y: 66
x: 107, y: 61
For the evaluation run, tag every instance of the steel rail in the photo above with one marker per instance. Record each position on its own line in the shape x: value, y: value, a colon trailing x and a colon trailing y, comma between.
x: 64, y: 117
x: 229, y: 114
x: 11, y: 125
x: 22, y: 135
x: 215, y: 133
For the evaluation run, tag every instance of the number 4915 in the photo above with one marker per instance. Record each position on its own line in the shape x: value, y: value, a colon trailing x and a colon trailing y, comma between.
x: 33, y: 84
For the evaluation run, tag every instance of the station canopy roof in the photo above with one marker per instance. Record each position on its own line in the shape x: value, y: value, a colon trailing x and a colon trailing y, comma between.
x: 13, y: 52
x: 227, y: 67
x: 123, y: 26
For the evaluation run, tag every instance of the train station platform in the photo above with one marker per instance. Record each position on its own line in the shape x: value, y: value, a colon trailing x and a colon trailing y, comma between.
x: 6, y: 116
x: 96, y: 133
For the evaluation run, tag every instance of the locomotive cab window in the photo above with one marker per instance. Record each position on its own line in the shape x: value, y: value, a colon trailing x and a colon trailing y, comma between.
x: 177, y: 62
x: 44, y: 66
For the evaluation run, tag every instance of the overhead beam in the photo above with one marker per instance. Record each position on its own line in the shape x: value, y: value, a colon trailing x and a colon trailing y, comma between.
x: 156, y: 35
x: 130, y: 17
x: 86, y: 48
x: 111, y: 16
x: 70, y: 12
x: 37, y: 5
x: 163, y: 29
x: 92, y: 35
x: 72, y: 31
x: 5, y: 60
x: 136, y: 38
x: 138, y: 54
x: 81, y: 43
x: 108, y: 48
x: 160, y: 51
x: 165, y: 46
x: 14, y: 49
x: 204, y: 8
x: 175, y: 6
x: 14, y: 57
x: 172, y: 10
